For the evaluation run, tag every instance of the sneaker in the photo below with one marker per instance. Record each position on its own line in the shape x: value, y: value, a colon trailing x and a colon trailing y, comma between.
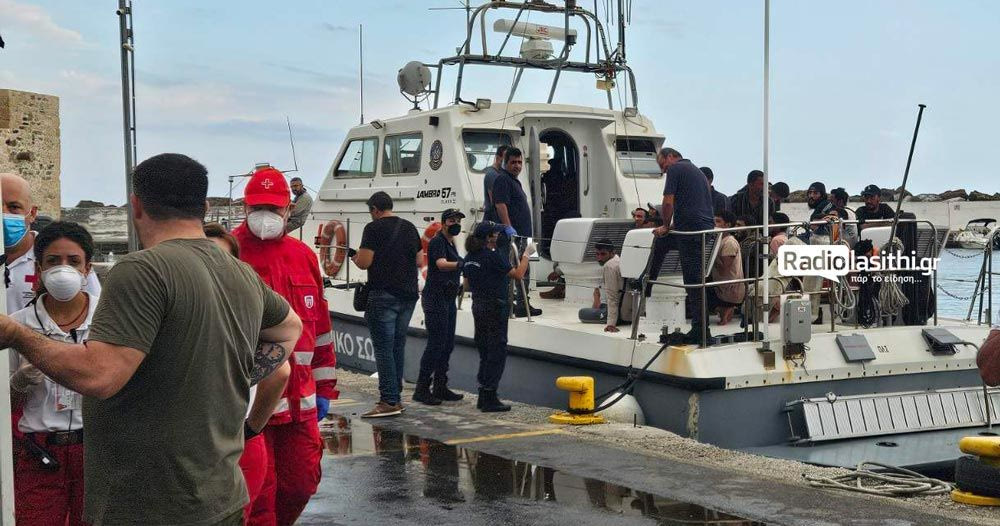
x: 519, y: 312
x: 382, y: 409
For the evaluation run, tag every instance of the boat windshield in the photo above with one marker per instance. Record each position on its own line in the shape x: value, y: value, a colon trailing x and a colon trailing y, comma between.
x: 639, y: 164
x: 481, y: 147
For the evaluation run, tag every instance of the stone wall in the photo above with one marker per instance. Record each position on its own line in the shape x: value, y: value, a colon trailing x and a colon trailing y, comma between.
x: 29, y: 144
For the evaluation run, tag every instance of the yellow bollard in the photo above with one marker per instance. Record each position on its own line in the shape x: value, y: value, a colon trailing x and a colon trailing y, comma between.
x: 581, y: 401
x: 988, y: 451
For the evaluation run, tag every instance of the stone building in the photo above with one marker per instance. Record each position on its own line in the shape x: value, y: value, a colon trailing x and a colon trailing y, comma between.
x: 29, y: 144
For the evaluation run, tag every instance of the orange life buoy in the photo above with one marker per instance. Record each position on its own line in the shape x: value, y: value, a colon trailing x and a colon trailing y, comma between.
x: 425, y: 240
x: 332, y: 242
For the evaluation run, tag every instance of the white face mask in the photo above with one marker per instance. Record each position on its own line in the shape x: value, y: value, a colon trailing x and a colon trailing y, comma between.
x: 265, y: 224
x: 62, y: 282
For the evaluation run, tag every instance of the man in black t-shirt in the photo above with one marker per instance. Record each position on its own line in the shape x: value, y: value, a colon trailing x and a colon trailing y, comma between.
x: 390, y: 247
x: 513, y: 210
x: 874, y: 207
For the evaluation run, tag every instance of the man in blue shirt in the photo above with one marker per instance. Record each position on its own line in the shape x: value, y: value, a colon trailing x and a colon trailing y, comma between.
x: 512, y: 209
x: 687, y: 207
x: 489, y: 176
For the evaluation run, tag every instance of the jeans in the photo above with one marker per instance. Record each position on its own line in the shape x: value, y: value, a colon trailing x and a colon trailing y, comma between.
x: 690, y: 251
x: 440, y: 313
x: 491, y: 316
x: 388, y: 318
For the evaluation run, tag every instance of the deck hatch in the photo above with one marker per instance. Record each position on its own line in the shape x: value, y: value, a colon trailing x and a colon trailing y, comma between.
x: 855, y: 347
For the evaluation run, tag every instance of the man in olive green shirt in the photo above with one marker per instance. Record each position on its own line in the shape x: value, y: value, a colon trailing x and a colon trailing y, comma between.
x: 180, y: 334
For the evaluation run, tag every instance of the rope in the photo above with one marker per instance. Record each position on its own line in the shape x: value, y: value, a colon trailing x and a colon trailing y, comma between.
x: 891, y: 482
x: 890, y: 296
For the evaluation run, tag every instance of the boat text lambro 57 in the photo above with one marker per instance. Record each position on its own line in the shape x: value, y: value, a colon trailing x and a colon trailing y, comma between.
x: 881, y: 379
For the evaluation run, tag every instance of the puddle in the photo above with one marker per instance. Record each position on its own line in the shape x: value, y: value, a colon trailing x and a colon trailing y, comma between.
x: 454, y: 477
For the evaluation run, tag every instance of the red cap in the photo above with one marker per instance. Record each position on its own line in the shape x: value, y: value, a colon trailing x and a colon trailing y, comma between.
x: 267, y: 186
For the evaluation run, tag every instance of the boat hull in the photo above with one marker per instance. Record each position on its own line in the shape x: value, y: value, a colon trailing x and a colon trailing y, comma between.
x: 702, y: 409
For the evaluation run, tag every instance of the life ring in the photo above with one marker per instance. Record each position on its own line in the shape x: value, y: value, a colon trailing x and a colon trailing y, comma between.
x: 332, y: 242
x: 425, y: 241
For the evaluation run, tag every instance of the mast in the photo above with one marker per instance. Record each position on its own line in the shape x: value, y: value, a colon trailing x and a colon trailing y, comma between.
x: 767, y: 194
x: 128, y: 108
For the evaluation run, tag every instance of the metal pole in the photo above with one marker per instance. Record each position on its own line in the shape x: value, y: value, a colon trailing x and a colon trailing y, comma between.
x: 766, y: 201
x: 906, y: 173
x: 347, y: 261
x: 361, y: 67
x: 703, y: 306
x: 127, y: 49
x: 6, y: 432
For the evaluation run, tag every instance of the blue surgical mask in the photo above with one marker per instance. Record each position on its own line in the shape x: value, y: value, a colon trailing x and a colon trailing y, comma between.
x: 14, y: 229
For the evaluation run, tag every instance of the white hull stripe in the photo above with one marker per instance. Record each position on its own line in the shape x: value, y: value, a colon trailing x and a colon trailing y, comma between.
x: 303, y: 357
x: 324, y: 373
x: 324, y: 339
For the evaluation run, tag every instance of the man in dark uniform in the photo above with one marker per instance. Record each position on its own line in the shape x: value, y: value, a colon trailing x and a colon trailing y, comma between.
x: 512, y: 209
x: 874, y: 207
x: 687, y: 207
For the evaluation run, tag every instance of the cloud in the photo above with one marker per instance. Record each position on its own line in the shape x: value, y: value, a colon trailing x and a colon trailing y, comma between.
x: 326, y: 78
x: 335, y: 28
x: 37, y: 21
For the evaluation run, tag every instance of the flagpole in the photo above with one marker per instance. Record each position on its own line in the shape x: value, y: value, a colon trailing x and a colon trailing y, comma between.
x: 766, y: 308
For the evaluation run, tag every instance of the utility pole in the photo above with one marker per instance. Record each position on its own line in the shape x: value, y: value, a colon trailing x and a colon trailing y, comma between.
x: 128, y: 108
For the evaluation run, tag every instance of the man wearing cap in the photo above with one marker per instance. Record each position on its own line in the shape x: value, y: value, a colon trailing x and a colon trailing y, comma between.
x: 390, y: 251
x: 303, y: 203
x: 444, y: 272
x: 874, y: 207
x: 290, y: 268
x: 822, y: 210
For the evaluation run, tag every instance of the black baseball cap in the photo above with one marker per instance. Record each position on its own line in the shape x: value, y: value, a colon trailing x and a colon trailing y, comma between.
x: 819, y: 187
x: 871, y: 189
x: 450, y: 213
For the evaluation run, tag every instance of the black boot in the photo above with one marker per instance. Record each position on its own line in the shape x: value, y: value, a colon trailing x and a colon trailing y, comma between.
x: 440, y: 389
x: 423, y: 394
x: 693, y: 337
x: 490, y: 402
x: 480, y: 399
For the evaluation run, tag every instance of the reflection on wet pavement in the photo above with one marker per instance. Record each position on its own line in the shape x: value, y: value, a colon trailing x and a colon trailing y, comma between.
x: 403, y: 479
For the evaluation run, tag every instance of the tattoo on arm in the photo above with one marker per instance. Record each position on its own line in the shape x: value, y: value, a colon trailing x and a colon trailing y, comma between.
x: 268, y: 357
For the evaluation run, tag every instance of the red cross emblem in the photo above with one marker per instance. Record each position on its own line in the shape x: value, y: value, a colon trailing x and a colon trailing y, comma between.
x: 267, y: 184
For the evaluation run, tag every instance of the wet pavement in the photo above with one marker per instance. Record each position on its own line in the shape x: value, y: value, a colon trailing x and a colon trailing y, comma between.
x: 443, y: 466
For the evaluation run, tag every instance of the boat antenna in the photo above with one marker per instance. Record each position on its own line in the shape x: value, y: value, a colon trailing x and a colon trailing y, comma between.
x: 127, y: 45
x: 361, y: 67
x: 291, y: 141
x: 906, y: 174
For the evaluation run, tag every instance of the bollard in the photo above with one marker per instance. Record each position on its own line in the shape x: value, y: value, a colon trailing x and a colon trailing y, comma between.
x: 987, y: 449
x: 581, y: 401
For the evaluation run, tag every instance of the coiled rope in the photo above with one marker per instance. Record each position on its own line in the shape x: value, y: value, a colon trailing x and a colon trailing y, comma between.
x: 891, y: 481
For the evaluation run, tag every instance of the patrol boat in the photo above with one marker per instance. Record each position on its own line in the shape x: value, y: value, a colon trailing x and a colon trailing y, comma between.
x: 864, y: 386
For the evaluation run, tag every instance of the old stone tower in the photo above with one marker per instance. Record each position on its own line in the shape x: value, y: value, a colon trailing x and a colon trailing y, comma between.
x: 29, y: 144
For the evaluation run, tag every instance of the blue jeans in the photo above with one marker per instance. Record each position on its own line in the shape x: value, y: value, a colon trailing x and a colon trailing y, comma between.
x: 388, y: 318
x: 440, y: 314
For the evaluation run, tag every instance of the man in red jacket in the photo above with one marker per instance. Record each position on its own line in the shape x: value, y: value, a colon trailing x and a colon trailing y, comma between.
x: 290, y: 267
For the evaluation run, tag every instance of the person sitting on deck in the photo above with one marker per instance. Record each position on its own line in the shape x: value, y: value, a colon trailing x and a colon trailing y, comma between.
x: 779, y: 234
x: 611, y: 306
x: 642, y: 218
x: 728, y: 266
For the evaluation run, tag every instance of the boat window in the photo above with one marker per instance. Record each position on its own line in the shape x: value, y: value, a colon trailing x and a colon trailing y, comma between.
x: 401, y: 154
x: 635, y: 144
x: 635, y: 164
x: 481, y: 147
x: 358, y: 159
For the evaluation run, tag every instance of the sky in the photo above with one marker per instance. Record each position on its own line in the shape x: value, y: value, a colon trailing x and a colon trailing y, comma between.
x: 216, y: 80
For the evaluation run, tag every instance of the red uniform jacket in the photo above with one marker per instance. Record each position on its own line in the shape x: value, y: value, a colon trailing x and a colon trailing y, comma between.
x: 291, y: 269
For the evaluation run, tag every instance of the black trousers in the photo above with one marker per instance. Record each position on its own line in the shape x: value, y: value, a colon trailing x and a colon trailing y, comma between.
x: 440, y: 313
x: 690, y: 251
x: 490, y: 316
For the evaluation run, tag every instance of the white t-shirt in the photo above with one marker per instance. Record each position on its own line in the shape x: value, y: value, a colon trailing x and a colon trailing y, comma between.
x: 21, y: 287
x: 50, y: 406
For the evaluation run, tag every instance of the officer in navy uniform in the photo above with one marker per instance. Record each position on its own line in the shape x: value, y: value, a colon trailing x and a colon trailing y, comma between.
x: 489, y: 271
x: 444, y: 273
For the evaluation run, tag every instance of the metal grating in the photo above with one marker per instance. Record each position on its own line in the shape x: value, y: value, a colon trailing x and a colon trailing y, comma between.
x: 613, y: 230
x: 672, y: 261
x: 926, y: 244
x: 833, y: 418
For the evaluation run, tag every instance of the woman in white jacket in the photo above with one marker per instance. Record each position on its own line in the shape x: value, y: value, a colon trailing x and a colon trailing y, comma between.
x: 48, y: 474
